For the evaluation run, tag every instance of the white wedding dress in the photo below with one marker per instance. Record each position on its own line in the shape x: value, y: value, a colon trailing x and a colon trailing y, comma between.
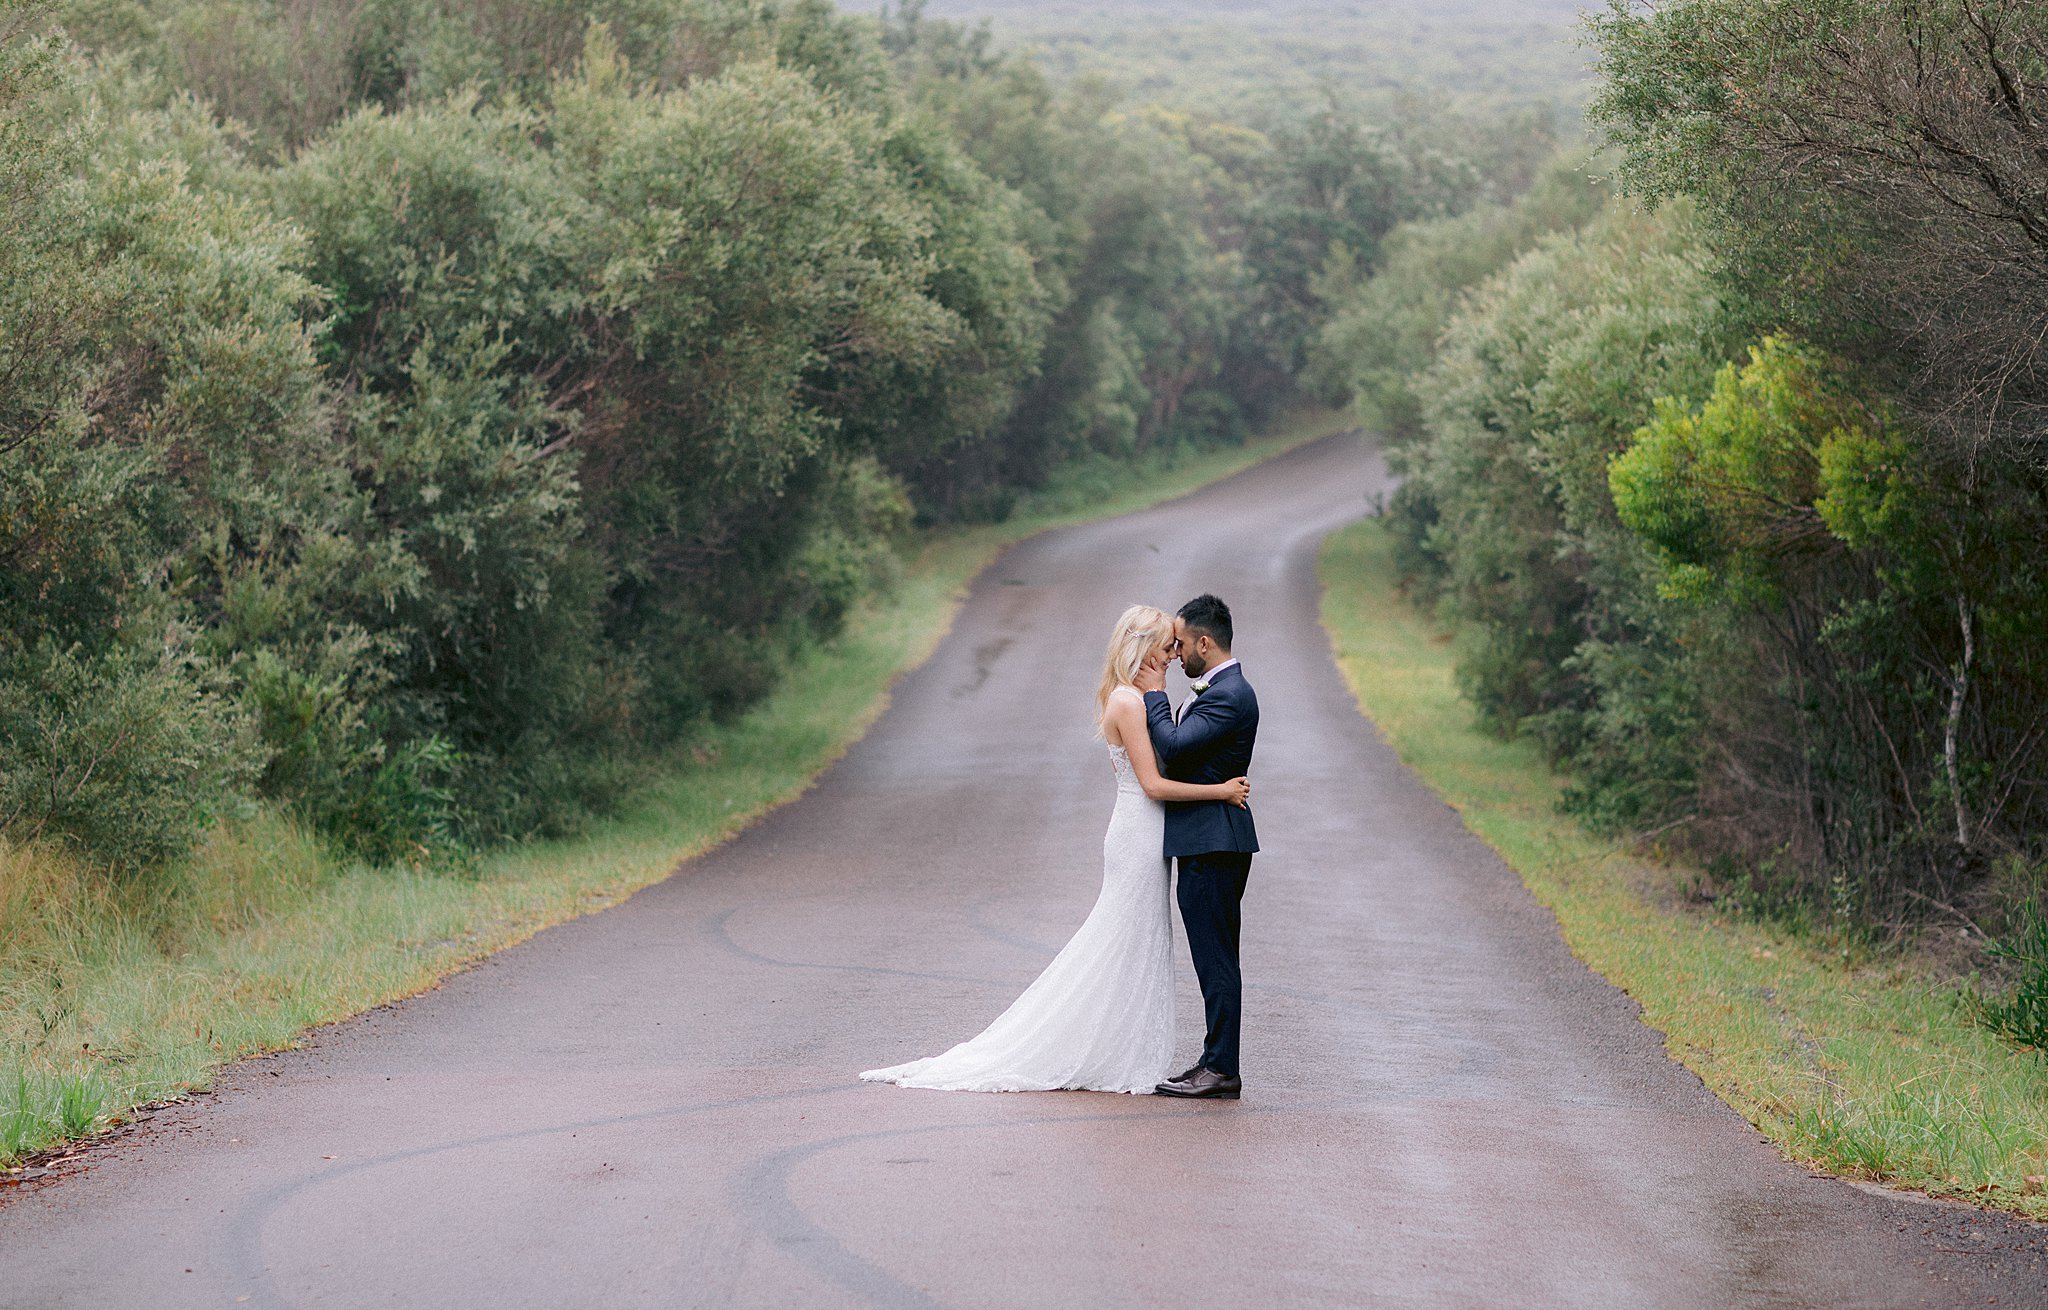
x: 1100, y: 1017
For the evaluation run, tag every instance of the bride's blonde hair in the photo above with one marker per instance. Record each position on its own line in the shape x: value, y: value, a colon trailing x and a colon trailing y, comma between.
x: 1140, y: 630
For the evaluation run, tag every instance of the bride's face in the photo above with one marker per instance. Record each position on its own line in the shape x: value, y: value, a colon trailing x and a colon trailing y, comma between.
x: 1161, y: 654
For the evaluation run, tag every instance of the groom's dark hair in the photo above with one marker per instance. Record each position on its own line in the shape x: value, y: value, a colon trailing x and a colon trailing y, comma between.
x: 1205, y: 613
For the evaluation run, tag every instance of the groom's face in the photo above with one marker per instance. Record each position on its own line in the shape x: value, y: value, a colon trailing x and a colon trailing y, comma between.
x: 1190, y: 647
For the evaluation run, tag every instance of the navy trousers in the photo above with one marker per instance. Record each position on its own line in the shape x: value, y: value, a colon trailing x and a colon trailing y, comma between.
x: 1210, y: 891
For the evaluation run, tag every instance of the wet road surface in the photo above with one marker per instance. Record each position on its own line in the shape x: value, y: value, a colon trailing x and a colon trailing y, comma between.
x: 657, y: 1105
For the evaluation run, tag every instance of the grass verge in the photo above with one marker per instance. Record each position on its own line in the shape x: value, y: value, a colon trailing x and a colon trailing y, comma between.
x: 1866, y: 1067
x: 113, y: 996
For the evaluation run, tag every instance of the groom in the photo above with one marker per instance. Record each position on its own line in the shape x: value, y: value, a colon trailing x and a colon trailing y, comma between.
x: 1212, y: 742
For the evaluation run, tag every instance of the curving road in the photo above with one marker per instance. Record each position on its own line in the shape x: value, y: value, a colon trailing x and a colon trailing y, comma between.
x: 656, y: 1106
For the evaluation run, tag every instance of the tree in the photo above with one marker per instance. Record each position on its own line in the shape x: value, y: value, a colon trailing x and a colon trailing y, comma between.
x: 1888, y: 158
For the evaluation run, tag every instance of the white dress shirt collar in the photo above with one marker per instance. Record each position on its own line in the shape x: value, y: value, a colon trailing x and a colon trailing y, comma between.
x: 1209, y: 674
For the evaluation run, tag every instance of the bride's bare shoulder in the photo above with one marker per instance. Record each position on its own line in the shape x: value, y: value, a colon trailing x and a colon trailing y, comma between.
x: 1126, y: 706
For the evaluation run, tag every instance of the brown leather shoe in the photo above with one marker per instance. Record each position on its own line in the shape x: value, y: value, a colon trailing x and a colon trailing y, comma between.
x: 1205, y: 1084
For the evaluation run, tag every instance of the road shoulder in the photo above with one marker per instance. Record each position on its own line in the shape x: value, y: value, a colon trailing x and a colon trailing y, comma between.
x: 1865, y: 1067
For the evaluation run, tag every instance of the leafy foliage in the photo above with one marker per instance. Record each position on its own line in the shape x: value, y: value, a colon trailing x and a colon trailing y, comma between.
x: 1870, y: 172
x: 1878, y: 168
x: 428, y: 417
x: 129, y: 759
x: 1538, y: 381
x: 2022, y: 1014
x: 1725, y: 495
x: 1385, y: 322
x: 1788, y: 608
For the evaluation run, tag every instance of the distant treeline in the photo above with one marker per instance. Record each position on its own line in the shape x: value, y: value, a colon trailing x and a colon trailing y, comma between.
x: 1735, y: 486
x: 1210, y: 53
x: 425, y: 416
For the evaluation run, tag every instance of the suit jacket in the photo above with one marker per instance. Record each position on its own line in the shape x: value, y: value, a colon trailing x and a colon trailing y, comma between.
x: 1211, y: 743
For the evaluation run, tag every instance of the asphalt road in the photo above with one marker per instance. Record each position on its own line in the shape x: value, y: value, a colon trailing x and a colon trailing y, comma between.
x: 657, y: 1105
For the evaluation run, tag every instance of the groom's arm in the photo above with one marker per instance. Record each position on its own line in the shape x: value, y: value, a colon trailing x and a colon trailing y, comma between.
x: 1183, y: 746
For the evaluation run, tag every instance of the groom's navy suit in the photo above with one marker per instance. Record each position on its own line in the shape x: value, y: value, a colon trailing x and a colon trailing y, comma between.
x: 1213, y: 840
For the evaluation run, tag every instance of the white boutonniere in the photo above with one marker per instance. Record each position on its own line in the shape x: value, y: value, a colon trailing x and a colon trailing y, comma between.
x: 1199, y: 687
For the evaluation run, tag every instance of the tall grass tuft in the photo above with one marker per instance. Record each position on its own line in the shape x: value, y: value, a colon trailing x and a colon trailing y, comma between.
x: 22, y: 1125
x: 116, y: 991
x: 2021, y: 1015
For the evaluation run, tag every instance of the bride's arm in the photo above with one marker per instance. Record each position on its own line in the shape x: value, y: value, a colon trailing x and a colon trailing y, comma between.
x: 1127, y: 716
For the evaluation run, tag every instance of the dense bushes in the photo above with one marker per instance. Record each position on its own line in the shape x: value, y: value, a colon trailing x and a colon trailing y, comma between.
x: 162, y: 412
x: 1383, y: 329
x: 1737, y: 503
x: 499, y: 393
x: 1871, y: 173
x: 128, y: 755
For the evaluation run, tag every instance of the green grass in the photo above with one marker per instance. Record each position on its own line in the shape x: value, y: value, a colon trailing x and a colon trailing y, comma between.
x: 1868, y: 1067
x: 116, y: 996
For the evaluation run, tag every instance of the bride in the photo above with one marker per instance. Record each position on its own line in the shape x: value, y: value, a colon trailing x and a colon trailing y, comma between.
x: 1100, y: 1017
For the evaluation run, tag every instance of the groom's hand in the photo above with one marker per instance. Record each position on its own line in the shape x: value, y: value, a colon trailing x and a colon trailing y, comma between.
x: 1151, y: 674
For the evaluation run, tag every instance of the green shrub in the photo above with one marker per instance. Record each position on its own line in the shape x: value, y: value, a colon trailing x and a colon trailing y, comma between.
x: 2021, y: 1014
x: 1384, y: 329
x: 1209, y: 417
x: 313, y: 723
x: 403, y: 811
x: 329, y: 761
x: 128, y: 756
x: 1546, y: 370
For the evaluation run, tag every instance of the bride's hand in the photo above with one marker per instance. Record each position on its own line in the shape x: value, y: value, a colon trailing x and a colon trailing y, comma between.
x: 1152, y: 672
x: 1239, y: 792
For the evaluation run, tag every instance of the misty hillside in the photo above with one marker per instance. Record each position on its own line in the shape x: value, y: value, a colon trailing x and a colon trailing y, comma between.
x: 1194, y: 51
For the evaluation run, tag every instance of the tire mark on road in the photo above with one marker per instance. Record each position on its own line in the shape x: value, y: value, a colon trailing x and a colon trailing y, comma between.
x: 714, y: 927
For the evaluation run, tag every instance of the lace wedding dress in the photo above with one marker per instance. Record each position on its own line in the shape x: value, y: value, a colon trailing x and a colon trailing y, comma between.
x: 1100, y: 1017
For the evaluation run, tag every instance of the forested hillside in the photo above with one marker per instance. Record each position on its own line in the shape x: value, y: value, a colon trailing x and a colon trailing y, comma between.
x: 425, y: 418
x: 1734, y: 486
x: 1266, y: 56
